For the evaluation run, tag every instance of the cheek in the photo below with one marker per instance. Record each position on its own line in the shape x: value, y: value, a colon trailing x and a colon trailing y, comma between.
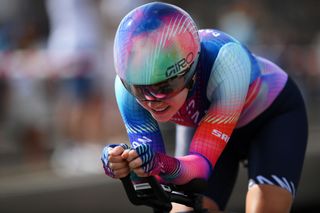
x: 175, y: 105
x: 143, y: 104
x: 177, y: 101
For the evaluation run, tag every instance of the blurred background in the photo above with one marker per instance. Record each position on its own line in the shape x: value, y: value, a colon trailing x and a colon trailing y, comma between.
x: 57, y: 105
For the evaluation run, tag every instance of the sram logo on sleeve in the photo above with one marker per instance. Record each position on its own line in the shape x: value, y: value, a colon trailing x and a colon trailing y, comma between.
x: 220, y: 134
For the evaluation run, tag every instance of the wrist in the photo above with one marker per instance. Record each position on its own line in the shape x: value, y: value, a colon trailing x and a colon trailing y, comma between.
x: 167, y: 167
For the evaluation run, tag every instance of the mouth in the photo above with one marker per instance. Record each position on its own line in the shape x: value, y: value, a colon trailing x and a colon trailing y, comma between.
x: 160, y: 110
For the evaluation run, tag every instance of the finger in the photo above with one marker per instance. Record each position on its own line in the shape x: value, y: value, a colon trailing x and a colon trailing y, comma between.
x: 132, y: 155
x: 118, y: 150
x: 125, y: 154
x: 115, y: 159
x: 140, y: 172
x: 120, y: 173
x: 136, y: 163
x: 115, y: 166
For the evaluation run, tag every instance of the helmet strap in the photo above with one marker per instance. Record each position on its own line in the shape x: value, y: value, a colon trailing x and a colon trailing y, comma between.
x: 191, y: 82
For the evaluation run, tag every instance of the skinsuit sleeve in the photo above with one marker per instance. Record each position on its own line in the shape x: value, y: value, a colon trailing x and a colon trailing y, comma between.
x: 227, y: 90
x: 140, y: 125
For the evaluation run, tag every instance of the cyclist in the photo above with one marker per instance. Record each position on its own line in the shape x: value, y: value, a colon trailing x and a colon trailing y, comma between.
x: 229, y: 105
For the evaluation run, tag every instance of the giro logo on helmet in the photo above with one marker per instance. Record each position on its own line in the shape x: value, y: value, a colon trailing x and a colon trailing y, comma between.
x: 180, y: 65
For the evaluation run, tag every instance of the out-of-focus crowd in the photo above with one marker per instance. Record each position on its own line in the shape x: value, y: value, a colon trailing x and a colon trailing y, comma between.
x: 57, y: 108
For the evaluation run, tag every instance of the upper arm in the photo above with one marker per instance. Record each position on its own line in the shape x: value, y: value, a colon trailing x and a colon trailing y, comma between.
x: 227, y: 89
x: 140, y: 125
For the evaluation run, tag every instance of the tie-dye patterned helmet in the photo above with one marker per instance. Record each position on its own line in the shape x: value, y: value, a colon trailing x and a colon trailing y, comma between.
x: 156, y: 42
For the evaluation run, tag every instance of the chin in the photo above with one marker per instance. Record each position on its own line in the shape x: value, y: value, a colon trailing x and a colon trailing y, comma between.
x: 163, y: 120
x: 162, y: 117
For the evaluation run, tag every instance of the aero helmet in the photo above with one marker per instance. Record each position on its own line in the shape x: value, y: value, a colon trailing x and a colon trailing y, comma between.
x: 155, y: 42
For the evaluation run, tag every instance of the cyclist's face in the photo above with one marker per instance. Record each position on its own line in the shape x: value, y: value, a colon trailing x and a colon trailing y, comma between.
x: 163, y: 110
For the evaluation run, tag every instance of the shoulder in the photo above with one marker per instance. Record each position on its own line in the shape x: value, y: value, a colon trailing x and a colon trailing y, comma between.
x: 213, y: 41
x: 216, y: 44
x: 215, y: 37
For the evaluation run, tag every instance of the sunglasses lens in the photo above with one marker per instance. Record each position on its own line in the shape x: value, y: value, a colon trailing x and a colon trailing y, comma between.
x: 159, y: 91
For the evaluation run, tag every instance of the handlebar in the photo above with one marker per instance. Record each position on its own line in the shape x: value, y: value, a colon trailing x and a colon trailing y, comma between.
x: 159, y: 196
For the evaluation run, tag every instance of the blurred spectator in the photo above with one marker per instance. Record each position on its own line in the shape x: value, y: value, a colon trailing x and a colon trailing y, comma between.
x: 316, y: 51
x: 76, y: 51
x: 25, y: 133
x: 238, y: 22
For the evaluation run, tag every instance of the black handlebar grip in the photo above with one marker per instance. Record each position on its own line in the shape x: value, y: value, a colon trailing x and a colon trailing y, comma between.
x: 130, y: 191
x: 157, y: 189
x: 197, y: 185
x: 161, y: 199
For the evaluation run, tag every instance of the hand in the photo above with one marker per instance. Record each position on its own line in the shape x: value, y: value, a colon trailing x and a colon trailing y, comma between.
x: 114, y: 161
x: 142, y: 160
x: 135, y: 163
